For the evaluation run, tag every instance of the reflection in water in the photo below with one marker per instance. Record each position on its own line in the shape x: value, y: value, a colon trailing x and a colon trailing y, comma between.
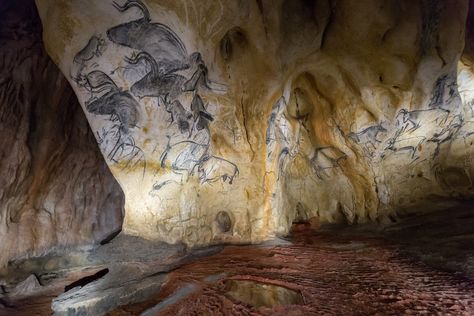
x: 334, y: 272
x: 260, y: 294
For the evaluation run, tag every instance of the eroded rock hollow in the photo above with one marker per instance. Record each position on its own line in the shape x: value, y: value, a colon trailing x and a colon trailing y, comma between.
x: 226, y: 121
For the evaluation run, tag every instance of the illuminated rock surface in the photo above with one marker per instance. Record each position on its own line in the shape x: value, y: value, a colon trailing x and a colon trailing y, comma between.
x: 55, y: 190
x: 265, y: 112
x: 334, y: 275
x: 225, y: 122
x: 332, y: 270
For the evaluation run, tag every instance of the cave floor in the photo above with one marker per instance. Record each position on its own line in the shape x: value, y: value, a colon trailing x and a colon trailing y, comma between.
x: 334, y: 275
x: 422, y: 265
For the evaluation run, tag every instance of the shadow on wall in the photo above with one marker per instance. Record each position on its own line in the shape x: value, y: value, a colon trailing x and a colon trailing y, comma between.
x: 55, y: 188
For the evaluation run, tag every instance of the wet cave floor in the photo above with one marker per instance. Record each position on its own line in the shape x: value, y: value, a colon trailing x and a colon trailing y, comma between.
x: 420, y: 266
x: 328, y: 273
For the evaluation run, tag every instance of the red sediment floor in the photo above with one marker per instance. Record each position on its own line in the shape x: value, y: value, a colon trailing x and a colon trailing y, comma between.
x: 336, y: 275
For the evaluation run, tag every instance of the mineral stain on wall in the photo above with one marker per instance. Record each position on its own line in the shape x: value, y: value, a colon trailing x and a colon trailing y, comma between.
x: 272, y: 112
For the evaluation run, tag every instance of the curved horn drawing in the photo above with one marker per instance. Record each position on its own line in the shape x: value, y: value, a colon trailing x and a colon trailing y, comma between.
x: 134, y: 3
x: 144, y: 55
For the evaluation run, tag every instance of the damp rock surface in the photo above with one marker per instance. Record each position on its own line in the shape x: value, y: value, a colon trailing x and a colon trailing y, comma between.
x: 125, y: 271
x: 332, y: 271
x: 258, y: 294
x: 412, y: 267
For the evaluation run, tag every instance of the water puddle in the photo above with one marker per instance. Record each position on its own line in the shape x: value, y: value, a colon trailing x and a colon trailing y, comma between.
x: 262, y: 294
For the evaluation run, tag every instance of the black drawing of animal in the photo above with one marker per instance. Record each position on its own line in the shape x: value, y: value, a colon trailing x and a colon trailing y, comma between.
x: 159, y: 185
x: 282, y: 160
x: 408, y: 121
x: 447, y: 133
x: 155, y: 84
x: 163, y: 45
x: 94, y: 48
x: 184, y: 155
x: 200, y: 78
x: 201, y: 117
x: 409, y: 144
x: 368, y: 136
x: 97, y: 81
x: 271, y: 122
x: 326, y: 158
x: 444, y: 90
x: 156, y: 39
x: 212, y: 169
x: 127, y: 151
x: 120, y: 105
x: 180, y: 115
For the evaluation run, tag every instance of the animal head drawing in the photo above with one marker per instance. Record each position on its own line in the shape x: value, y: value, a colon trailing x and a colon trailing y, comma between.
x: 382, y: 127
x: 390, y: 144
x: 401, y: 117
x: 124, y: 33
x: 96, y: 106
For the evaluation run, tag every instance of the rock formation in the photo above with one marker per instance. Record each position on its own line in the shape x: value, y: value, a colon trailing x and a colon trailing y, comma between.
x: 225, y: 121
x: 220, y: 122
x: 55, y: 189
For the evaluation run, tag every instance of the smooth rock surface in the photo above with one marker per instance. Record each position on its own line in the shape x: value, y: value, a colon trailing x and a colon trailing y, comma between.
x: 55, y: 190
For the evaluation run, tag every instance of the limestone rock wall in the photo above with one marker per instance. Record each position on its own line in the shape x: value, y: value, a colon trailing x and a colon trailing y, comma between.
x: 228, y: 120
x: 55, y: 189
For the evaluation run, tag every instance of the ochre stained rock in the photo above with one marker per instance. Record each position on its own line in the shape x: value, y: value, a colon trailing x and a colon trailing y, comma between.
x: 55, y: 190
x: 225, y: 121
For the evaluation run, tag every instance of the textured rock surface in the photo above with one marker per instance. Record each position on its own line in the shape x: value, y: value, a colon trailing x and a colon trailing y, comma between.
x: 55, y: 189
x: 419, y: 265
x: 337, y: 271
x: 227, y: 120
x: 93, y: 282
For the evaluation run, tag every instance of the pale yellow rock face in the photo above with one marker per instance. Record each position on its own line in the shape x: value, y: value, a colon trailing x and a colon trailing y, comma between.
x: 225, y: 121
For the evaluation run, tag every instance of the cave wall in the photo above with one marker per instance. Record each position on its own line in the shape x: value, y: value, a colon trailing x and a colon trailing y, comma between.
x: 55, y: 188
x: 228, y: 120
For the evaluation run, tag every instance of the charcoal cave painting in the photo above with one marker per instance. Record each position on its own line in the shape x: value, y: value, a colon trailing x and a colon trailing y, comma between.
x: 417, y: 134
x: 165, y: 73
x: 123, y: 111
x: 369, y: 138
x: 284, y: 144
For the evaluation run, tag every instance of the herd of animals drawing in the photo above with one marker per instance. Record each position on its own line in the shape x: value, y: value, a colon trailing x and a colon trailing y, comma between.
x: 164, y: 55
x: 188, y: 151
